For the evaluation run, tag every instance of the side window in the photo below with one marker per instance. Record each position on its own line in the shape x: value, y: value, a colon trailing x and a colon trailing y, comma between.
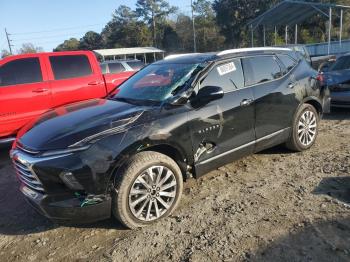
x: 115, y: 68
x: 70, y: 66
x: 21, y: 71
x: 260, y: 69
x: 228, y: 75
x: 341, y: 64
x: 287, y: 61
x: 136, y: 65
x: 103, y: 68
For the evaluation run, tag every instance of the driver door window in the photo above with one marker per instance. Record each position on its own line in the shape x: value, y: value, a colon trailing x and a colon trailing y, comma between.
x: 227, y: 75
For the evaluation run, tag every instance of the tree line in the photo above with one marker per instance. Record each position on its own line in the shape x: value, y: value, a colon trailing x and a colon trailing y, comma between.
x: 219, y: 24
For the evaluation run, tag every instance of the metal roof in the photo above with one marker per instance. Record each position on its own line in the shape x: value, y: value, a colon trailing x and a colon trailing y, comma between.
x: 291, y: 12
x: 128, y: 51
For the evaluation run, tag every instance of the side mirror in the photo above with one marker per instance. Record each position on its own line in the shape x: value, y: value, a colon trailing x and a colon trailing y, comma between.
x: 207, y: 94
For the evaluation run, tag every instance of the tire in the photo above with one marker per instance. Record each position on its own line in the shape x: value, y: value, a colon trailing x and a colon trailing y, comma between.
x: 142, y: 178
x: 304, y: 129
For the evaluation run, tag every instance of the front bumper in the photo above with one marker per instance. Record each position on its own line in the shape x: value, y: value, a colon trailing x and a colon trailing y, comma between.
x: 50, y: 196
x: 67, y: 208
x: 340, y: 99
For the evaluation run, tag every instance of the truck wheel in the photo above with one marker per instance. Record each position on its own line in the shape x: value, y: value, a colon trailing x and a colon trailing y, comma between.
x: 147, y: 188
x: 304, y: 129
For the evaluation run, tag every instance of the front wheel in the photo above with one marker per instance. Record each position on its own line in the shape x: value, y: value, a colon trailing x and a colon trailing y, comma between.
x: 304, y: 129
x: 148, y: 188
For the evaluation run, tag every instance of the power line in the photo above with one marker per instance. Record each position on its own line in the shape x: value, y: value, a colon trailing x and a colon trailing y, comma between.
x: 52, y: 36
x: 57, y: 29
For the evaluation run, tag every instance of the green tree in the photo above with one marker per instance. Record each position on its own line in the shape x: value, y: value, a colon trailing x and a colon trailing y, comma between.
x: 183, y: 28
x: 170, y: 39
x: 124, y: 30
x: 91, y: 41
x: 232, y: 18
x: 68, y: 45
x: 208, y: 34
x: 154, y: 13
x: 4, y: 53
x: 28, y: 48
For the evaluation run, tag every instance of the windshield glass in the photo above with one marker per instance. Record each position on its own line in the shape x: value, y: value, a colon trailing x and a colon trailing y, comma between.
x: 157, y: 82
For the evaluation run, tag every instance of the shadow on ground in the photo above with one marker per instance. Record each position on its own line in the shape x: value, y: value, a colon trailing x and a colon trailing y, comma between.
x: 316, y: 241
x: 17, y: 216
x: 338, y: 114
x: 336, y: 187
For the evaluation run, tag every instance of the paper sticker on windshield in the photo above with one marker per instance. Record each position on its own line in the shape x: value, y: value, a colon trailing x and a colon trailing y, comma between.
x: 226, y: 68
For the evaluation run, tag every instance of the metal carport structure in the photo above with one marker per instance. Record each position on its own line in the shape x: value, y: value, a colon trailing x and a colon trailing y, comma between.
x: 290, y: 13
x: 132, y: 51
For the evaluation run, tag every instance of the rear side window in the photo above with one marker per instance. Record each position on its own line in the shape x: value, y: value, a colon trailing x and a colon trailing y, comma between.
x: 21, y: 71
x: 287, y: 61
x: 115, y: 68
x: 228, y: 76
x: 260, y: 69
x: 71, y: 66
x: 341, y: 64
x: 135, y: 65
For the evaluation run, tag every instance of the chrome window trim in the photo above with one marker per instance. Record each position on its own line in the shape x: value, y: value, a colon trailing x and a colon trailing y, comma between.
x: 242, y: 57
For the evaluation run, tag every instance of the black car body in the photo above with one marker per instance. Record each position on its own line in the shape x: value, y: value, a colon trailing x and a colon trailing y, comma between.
x: 337, y: 78
x: 232, y: 104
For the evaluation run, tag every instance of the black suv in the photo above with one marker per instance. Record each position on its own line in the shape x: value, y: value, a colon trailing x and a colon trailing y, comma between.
x: 129, y: 154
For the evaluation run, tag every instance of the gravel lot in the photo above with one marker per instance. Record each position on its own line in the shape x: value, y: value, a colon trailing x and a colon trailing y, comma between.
x: 272, y: 206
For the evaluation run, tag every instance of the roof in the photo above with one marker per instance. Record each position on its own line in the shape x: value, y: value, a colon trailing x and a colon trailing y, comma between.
x: 119, y: 61
x: 254, y: 49
x: 206, y: 57
x: 128, y: 51
x: 291, y: 12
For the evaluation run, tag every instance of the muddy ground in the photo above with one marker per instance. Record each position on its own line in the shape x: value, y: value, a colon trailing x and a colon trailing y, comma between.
x: 271, y: 206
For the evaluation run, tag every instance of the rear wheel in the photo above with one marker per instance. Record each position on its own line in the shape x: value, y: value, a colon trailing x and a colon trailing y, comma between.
x: 148, y: 188
x: 305, y: 128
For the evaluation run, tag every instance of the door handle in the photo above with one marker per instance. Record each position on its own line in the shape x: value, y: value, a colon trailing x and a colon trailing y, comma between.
x: 291, y: 85
x: 94, y: 83
x: 246, y: 102
x: 40, y: 90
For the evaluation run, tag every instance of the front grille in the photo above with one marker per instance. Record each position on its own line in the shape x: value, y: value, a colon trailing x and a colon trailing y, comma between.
x: 27, y: 176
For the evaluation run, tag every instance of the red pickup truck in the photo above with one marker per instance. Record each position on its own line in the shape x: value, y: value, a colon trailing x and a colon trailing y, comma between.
x: 31, y: 84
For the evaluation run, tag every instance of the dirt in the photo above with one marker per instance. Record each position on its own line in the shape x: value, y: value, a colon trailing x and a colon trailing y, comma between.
x: 271, y: 206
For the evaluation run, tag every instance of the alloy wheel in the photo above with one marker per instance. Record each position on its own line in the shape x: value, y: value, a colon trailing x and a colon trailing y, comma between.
x: 152, y: 193
x: 307, y: 128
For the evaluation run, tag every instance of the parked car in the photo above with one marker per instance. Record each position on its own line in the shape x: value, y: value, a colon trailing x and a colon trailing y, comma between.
x: 337, y: 78
x: 324, y: 66
x: 118, y: 66
x: 31, y: 84
x: 181, y: 117
x: 314, y: 61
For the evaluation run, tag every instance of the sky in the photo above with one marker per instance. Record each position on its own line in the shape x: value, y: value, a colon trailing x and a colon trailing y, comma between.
x: 48, y: 23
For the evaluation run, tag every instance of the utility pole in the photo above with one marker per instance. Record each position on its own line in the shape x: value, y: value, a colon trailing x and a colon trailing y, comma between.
x: 194, y: 30
x: 8, y: 41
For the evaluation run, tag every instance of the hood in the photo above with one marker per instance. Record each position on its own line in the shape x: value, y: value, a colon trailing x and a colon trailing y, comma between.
x: 337, y: 77
x: 67, y: 125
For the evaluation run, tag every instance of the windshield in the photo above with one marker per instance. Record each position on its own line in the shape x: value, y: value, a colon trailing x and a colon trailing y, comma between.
x: 157, y: 82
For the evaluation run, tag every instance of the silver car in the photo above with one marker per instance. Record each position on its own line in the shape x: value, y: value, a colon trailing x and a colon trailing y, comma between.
x: 118, y: 66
